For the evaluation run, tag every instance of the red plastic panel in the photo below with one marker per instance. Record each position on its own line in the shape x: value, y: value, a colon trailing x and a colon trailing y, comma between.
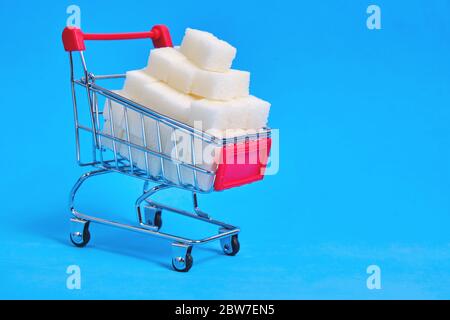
x: 242, y: 163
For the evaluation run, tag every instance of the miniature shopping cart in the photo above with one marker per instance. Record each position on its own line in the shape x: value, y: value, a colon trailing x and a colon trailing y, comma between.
x: 110, y: 152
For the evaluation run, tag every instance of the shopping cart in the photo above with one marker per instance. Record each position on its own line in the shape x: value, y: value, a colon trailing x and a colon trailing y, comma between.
x: 110, y: 152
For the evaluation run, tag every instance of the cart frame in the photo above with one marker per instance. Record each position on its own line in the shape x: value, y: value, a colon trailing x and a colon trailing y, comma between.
x: 148, y: 211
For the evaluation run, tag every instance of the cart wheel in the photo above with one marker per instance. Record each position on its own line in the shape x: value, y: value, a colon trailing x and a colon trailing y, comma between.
x: 183, y: 264
x: 158, y: 219
x: 153, y: 216
x: 232, y: 246
x: 81, y: 239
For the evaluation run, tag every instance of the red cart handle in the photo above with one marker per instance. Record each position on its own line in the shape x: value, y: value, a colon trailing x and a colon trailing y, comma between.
x: 73, y: 38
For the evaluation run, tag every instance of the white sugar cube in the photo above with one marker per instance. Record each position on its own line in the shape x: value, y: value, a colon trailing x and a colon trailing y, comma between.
x: 117, y: 112
x: 179, y: 147
x: 167, y: 101
x: 106, y: 142
x: 258, y: 113
x: 207, y: 51
x: 206, y: 156
x: 140, y: 128
x: 113, y: 110
x: 134, y: 82
x: 219, y: 115
x: 151, y: 165
x: 149, y: 141
x: 160, y: 62
x: 172, y: 67
x: 182, y: 74
x: 221, y: 86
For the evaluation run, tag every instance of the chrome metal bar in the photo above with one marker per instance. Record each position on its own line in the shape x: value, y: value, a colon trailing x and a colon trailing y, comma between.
x: 90, y: 102
x: 110, y: 76
x: 148, y: 193
x: 158, y: 154
x: 146, y: 197
x: 194, y: 162
x: 127, y: 131
x: 144, y: 140
x: 158, y: 234
x: 79, y: 215
x: 197, y: 209
x: 159, y: 142
x: 175, y: 145
x: 96, y: 113
x: 195, y: 216
x: 75, y: 108
x: 78, y: 184
x: 112, y: 129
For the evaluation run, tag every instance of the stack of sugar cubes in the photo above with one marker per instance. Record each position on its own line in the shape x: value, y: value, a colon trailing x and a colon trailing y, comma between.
x: 193, y: 84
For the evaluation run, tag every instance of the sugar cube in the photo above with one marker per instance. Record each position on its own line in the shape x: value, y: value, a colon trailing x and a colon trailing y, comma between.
x: 207, y: 51
x: 106, y: 142
x: 135, y: 81
x: 151, y: 165
x: 180, y: 148
x: 182, y: 74
x: 172, y: 67
x: 221, y: 86
x: 167, y: 101
x: 257, y: 113
x: 160, y: 62
x: 219, y: 115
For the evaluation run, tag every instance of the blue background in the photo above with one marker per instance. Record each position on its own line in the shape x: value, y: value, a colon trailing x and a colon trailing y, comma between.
x: 364, y: 174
